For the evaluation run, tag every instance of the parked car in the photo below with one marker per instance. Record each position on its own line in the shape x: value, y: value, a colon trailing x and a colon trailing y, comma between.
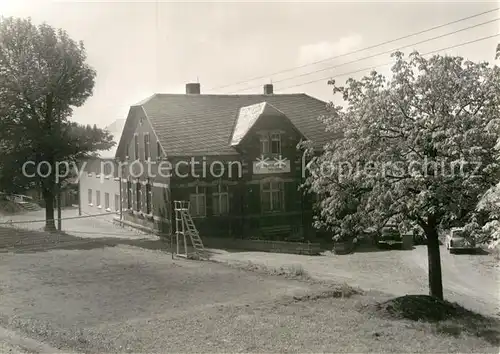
x: 456, y: 240
x: 389, y: 236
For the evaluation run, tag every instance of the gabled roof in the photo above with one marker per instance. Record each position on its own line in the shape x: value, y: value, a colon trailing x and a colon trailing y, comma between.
x: 115, y: 129
x: 199, y: 124
x: 248, y: 116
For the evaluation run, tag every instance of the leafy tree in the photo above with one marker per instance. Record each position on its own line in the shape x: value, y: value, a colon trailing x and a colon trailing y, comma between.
x: 43, y: 76
x: 417, y: 148
x: 498, y: 52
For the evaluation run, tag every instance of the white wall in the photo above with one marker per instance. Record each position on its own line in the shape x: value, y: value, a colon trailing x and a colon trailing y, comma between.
x: 102, y: 185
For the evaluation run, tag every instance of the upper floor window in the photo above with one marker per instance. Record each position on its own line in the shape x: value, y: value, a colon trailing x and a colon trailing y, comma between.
x: 264, y: 144
x: 136, y: 146
x: 107, y: 168
x: 129, y: 195
x: 276, y: 143
x: 220, y: 200
x: 270, y: 144
x: 146, y: 147
x: 149, y: 198
x: 138, y: 195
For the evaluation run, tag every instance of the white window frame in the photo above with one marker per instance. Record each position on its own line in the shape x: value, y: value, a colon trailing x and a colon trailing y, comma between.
x: 266, y: 143
x: 271, y: 191
x: 217, y: 198
x: 195, y: 210
x: 89, y: 196
x: 265, y: 146
x: 274, y: 136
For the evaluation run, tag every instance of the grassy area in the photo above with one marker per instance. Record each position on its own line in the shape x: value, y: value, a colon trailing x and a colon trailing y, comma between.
x: 130, y: 299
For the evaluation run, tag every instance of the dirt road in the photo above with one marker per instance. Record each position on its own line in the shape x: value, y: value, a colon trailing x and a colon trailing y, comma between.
x: 471, y: 280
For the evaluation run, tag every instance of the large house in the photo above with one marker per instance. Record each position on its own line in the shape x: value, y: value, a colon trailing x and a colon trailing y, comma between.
x: 233, y: 157
x: 99, y: 185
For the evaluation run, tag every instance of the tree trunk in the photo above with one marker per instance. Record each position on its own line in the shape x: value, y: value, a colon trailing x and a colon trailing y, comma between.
x: 434, y: 261
x: 59, y: 221
x: 48, y: 197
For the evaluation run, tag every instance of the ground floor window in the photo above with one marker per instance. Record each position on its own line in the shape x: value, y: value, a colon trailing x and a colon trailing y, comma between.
x: 138, y: 196
x: 149, y: 198
x: 198, y: 202
x: 106, y: 201
x: 129, y: 195
x: 90, y: 196
x: 98, y: 198
x: 220, y: 200
x: 272, y: 196
x: 117, y: 202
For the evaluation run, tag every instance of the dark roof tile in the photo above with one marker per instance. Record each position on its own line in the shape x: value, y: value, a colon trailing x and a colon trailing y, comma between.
x: 203, y: 124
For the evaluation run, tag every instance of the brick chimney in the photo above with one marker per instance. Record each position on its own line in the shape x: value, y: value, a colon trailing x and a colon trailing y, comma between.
x: 193, y: 88
x: 268, y: 89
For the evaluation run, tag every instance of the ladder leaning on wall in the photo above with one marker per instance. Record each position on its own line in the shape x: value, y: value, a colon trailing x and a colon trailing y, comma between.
x: 185, y: 228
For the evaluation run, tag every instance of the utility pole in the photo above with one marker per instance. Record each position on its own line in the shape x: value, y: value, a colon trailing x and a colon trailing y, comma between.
x: 79, y: 199
x: 59, y: 221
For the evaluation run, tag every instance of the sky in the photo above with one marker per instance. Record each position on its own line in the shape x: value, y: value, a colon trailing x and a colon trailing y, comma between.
x: 139, y: 48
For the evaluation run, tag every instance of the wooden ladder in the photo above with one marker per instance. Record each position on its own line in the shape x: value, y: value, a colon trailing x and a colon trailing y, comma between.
x: 192, y: 231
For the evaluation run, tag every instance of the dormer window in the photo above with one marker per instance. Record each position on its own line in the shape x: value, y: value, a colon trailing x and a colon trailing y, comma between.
x: 276, y: 143
x: 264, y: 144
x: 270, y: 144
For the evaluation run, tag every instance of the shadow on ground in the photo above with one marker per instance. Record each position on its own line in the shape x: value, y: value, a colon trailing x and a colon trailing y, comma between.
x: 448, y: 318
x: 30, y: 241
x: 474, y: 252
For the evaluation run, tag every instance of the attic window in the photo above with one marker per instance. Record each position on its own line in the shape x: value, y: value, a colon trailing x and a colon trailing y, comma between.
x: 276, y: 143
x: 264, y: 144
x: 270, y: 143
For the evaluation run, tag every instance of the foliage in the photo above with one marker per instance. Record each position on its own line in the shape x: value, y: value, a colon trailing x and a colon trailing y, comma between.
x: 418, y: 148
x: 43, y: 76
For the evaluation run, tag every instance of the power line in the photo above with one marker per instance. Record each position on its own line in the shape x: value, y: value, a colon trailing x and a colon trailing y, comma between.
x: 378, y: 54
x: 388, y: 63
x: 356, y: 51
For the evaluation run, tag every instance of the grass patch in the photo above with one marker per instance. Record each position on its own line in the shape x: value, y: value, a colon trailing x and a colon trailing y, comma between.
x: 446, y: 317
x: 294, y: 271
x: 337, y: 291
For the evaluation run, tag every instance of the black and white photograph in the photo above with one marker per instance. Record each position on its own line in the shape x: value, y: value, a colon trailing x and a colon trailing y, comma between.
x: 249, y: 176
